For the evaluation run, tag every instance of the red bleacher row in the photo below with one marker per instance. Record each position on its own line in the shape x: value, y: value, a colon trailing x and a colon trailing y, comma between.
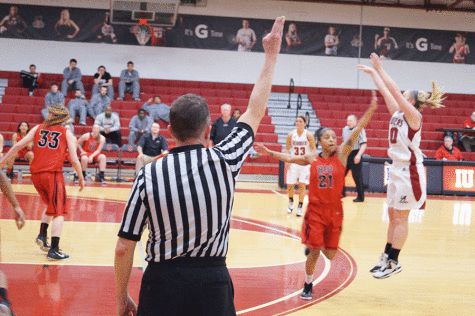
x: 16, y: 101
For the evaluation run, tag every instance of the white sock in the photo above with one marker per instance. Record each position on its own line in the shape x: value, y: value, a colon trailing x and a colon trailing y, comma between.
x: 308, y: 278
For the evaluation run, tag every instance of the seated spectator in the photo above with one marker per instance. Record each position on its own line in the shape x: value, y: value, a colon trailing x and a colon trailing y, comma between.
x: 25, y: 154
x: 448, y: 151
x: 90, y: 147
x: 253, y: 154
x: 139, y: 125
x: 72, y: 78
x: 157, y: 110
x: 468, y: 139
x: 103, y: 78
x: 129, y: 82
x: 31, y: 79
x: 99, y: 102
x: 109, y: 125
x: 54, y: 96
x: 222, y: 126
x: 237, y: 114
x: 79, y: 106
x: 150, y: 146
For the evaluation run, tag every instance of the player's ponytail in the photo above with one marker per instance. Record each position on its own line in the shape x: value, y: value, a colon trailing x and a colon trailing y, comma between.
x: 425, y: 99
x: 59, y: 115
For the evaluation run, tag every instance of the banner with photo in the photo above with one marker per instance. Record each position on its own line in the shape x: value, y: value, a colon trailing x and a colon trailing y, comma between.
x: 238, y: 34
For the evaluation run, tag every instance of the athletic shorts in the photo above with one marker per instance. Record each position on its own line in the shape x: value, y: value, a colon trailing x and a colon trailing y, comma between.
x: 22, y: 154
x: 297, y: 173
x: 321, y: 226
x: 407, y: 186
x: 187, y: 286
x: 51, y: 188
x: 88, y: 154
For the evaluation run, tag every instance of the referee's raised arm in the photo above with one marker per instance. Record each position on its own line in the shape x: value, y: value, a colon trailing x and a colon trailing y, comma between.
x: 260, y: 93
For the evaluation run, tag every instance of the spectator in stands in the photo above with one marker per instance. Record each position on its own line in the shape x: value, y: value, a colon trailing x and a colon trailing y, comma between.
x: 150, y: 146
x: 103, y: 78
x: 222, y: 126
x: 139, y: 125
x: 252, y: 153
x: 237, y: 114
x: 25, y: 154
x: 109, y: 125
x: 31, y: 79
x: 72, y: 78
x: 157, y: 110
x: 90, y: 147
x: 12, y: 24
x: 354, y: 159
x: 129, y: 82
x: 79, y: 106
x: 99, y: 102
x: 54, y: 96
x: 448, y: 151
x: 468, y: 139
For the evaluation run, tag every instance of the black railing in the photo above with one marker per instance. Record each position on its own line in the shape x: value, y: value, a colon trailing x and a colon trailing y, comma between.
x: 291, y: 90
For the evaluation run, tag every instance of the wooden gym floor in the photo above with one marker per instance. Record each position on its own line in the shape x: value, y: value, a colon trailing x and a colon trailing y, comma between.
x: 265, y: 259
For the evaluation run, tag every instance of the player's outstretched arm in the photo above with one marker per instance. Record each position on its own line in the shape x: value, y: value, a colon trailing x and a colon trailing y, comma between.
x: 346, y: 148
x: 411, y: 114
x: 260, y: 93
x: 7, y: 189
x: 300, y: 160
x: 391, y: 103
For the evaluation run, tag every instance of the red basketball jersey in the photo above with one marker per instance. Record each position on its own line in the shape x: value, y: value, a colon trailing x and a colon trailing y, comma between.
x: 50, y: 146
x: 327, y: 178
x: 22, y: 152
x: 90, y: 145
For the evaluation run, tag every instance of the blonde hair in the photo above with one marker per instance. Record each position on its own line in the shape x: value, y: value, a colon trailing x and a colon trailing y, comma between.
x: 59, y: 115
x: 424, y: 99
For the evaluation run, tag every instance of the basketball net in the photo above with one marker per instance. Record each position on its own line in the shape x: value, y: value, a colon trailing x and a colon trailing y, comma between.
x: 142, y: 31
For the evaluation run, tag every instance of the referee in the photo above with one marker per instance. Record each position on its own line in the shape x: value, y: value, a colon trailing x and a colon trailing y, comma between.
x: 185, y: 199
x: 354, y: 159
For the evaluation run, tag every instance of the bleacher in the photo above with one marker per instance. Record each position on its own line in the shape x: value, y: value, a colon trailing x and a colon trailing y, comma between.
x: 18, y: 106
x: 332, y: 107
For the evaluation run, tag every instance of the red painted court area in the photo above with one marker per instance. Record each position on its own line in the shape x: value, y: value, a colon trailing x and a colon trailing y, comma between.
x: 90, y: 290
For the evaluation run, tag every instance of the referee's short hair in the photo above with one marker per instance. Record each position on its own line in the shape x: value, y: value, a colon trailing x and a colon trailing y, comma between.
x: 189, y: 117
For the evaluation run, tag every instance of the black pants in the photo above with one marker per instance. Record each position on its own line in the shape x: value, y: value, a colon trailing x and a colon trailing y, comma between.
x: 29, y: 81
x: 114, y: 137
x: 187, y: 286
x: 357, y: 172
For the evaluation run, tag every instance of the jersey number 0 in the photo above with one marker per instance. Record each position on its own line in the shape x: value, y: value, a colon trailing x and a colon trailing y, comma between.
x: 49, y: 138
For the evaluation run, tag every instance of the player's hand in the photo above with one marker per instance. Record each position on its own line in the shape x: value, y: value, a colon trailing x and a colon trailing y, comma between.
x: 19, y: 217
x: 272, y: 41
x: 366, y: 69
x: 262, y: 149
x: 90, y: 159
x: 140, y: 156
x: 376, y: 61
x: 150, y: 100
x: 81, y: 183
x: 70, y: 81
x: 357, y: 159
x: 126, y: 307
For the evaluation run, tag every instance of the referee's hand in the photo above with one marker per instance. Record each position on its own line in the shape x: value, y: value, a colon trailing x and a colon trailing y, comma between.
x: 273, y: 41
x: 127, y: 307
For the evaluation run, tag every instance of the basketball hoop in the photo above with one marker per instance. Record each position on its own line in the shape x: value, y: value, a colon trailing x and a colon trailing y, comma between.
x: 142, y: 31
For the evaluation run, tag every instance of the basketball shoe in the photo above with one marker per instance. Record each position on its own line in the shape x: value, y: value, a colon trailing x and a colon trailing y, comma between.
x: 383, y: 261
x: 42, y: 241
x: 307, y: 291
x: 391, y: 268
x: 55, y: 254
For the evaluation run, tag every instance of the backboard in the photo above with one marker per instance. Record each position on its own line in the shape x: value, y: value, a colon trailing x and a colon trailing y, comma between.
x: 156, y: 12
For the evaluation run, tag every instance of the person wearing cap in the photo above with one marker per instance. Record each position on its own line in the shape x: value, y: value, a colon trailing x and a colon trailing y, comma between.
x: 385, y: 45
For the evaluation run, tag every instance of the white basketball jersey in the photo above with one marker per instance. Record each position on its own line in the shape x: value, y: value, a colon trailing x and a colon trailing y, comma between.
x: 300, y: 145
x: 403, y: 141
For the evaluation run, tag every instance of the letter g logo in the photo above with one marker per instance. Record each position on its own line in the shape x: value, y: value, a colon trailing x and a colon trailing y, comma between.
x: 201, y: 31
x: 421, y: 44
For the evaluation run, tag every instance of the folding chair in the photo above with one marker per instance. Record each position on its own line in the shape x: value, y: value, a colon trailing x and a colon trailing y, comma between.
x: 128, y: 155
x: 113, y: 157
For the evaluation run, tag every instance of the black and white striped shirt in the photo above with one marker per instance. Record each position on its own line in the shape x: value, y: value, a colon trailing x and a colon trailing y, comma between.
x: 359, y: 141
x: 186, y: 198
